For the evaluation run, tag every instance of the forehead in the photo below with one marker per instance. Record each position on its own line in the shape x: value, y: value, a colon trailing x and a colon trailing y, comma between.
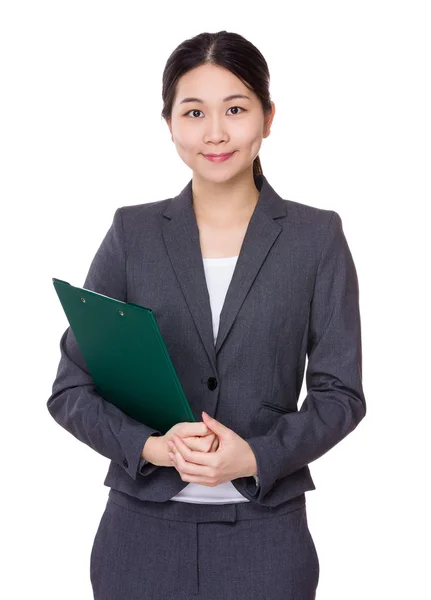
x: 211, y: 83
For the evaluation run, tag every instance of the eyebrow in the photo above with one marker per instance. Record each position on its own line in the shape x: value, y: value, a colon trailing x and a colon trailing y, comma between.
x: 227, y: 99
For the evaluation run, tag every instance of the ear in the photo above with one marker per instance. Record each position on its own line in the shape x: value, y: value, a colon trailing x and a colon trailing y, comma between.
x: 169, y: 124
x: 268, y: 121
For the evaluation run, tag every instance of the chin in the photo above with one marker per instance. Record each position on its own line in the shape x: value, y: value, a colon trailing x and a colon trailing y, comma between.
x: 219, y: 175
x: 215, y: 177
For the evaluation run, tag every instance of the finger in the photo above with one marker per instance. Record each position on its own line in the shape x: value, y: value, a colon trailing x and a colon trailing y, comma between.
x: 192, y: 429
x: 205, y: 443
x: 191, y: 456
x: 200, y: 444
x: 199, y: 478
x: 197, y: 443
x: 190, y: 469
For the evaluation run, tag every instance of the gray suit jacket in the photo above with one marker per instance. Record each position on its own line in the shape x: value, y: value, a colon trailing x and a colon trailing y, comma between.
x: 294, y: 294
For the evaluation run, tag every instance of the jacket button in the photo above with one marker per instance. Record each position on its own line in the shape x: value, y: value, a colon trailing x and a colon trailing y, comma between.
x: 212, y: 383
x: 125, y: 462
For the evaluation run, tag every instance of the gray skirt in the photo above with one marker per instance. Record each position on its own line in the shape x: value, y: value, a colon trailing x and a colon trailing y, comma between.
x: 139, y: 556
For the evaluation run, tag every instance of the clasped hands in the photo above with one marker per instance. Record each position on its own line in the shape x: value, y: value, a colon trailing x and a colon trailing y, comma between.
x: 232, y: 458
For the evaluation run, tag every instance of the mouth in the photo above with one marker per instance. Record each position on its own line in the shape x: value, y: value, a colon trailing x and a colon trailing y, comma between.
x: 218, y: 157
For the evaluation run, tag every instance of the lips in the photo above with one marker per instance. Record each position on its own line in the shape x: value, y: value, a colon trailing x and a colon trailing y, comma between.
x: 218, y: 157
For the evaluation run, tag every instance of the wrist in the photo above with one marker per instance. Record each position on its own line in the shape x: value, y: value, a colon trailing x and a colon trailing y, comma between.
x: 149, y: 451
x: 252, y: 464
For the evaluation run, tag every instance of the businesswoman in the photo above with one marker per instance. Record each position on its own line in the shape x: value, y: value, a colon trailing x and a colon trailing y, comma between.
x: 245, y: 285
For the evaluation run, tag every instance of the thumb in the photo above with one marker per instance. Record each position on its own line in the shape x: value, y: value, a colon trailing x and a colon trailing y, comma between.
x: 214, y: 425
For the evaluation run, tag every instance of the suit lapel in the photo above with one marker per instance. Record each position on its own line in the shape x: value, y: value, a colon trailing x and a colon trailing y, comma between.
x: 181, y: 236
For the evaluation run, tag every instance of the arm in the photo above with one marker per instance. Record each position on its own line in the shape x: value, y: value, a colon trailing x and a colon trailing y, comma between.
x: 74, y: 402
x: 335, y: 402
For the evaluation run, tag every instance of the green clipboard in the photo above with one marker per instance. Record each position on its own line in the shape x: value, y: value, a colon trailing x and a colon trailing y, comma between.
x: 126, y: 356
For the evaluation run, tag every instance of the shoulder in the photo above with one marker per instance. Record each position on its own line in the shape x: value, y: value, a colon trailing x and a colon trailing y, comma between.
x: 317, y: 223
x: 306, y: 213
x: 145, y: 210
x: 132, y: 218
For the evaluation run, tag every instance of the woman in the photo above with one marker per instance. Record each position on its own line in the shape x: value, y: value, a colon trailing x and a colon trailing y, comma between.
x: 244, y: 285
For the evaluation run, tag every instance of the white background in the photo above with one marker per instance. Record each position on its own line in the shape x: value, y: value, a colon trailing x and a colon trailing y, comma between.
x: 81, y: 134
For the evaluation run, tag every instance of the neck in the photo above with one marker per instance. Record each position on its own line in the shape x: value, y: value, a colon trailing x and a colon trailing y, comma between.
x: 230, y: 201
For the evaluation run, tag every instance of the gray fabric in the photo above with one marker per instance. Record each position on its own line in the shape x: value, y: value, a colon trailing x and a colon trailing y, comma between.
x: 140, y: 557
x: 294, y: 294
x: 204, y: 512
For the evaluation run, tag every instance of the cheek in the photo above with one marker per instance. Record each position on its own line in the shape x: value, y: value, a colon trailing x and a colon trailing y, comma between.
x: 256, y: 144
x: 185, y: 143
x: 250, y: 137
x: 184, y: 137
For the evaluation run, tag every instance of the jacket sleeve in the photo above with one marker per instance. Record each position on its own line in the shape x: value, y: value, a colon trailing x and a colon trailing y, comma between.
x: 335, y: 402
x: 74, y: 402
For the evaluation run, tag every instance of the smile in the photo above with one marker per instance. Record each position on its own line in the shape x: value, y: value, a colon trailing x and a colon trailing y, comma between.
x: 218, y: 158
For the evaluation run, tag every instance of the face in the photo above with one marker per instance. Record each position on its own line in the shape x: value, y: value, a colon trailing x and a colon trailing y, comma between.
x: 206, y: 121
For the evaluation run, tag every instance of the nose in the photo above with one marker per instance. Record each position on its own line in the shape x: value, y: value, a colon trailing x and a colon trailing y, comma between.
x: 215, y: 131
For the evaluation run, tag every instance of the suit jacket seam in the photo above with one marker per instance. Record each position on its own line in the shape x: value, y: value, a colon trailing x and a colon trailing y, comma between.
x: 124, y: 250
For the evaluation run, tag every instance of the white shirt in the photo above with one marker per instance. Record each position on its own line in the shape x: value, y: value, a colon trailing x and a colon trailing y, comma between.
x: 218, y: 273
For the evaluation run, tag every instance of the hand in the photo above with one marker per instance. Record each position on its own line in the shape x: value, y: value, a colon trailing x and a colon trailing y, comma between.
x: 201, y: 443
x: 196, y: 435
x: 234, y: 457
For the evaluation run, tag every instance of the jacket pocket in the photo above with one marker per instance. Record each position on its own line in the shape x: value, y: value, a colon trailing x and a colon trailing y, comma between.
x: 280, y: 409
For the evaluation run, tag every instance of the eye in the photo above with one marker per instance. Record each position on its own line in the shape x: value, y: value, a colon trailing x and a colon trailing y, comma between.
x: 195, y: 110
x: 236, y: 107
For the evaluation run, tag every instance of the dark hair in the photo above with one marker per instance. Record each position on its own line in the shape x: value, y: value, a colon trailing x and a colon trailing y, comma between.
x: 225, y: 49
